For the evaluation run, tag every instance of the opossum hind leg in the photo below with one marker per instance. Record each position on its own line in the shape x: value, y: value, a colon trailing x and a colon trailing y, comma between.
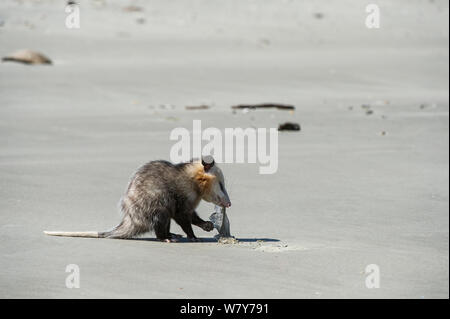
x: 173, y: 237
x: 161, y: 226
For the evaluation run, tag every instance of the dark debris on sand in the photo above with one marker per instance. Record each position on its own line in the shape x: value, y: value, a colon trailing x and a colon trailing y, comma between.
x: 264, y: 106
x: 289, y: 126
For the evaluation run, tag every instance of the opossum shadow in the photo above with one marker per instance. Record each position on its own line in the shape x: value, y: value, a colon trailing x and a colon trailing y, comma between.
x: 252, y: 240
x: 210, y: 240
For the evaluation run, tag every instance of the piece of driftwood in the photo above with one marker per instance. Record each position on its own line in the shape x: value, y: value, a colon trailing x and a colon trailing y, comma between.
x: 27, y: 57
x: 289, y: 126
x: 197, y: 107
x: 132, y: 8
x: 264, y: 106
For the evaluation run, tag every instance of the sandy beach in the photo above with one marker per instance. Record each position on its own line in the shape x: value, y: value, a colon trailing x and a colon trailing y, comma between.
x: 365, y: 181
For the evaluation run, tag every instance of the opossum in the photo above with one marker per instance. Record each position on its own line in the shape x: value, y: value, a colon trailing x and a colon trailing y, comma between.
x: 160, y: 191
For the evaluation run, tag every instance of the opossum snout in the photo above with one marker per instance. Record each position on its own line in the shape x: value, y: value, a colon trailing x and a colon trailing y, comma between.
x: 225, y: 202
x: 222, y: 201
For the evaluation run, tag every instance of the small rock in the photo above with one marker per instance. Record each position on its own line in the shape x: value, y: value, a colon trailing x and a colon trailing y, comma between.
x: 289, y: 126
x: 426, y: 105
x: 140, y: 20
x: 264, y: 41
x: 318, y: 15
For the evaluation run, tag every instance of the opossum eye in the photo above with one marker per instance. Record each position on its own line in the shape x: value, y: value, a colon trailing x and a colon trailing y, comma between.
x: 222, y: 188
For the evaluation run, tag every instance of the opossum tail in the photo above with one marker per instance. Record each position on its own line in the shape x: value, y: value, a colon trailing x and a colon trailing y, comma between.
x: 124, y: 230
x: 87, y: 234
x: 115, y: 233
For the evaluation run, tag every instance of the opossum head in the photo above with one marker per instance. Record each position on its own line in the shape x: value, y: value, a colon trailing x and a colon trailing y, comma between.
x: 210, y: 179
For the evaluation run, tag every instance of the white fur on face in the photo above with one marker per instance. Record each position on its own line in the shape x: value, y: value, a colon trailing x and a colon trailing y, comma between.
x: 218, y: 193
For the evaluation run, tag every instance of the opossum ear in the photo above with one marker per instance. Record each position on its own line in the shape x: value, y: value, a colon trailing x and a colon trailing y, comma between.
x: 207, y: 162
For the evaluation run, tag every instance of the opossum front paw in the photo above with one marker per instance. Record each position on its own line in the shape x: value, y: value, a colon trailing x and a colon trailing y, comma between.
x: 207, y: 226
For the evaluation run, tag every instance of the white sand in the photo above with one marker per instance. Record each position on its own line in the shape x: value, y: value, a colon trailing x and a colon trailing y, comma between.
x: 344, y: 196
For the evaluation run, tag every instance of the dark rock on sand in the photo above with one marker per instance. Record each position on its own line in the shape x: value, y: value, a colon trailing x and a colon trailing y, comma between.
x: 140, y: 20
x: 289, y: 126
x: 318, y: 15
